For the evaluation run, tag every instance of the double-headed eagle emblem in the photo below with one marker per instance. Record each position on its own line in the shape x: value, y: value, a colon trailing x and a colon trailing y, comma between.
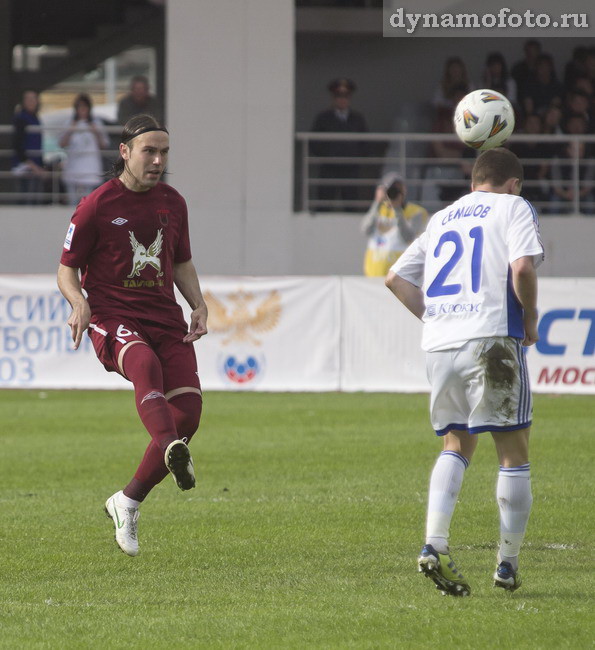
x: 240, y: 321
x: 143, y: 256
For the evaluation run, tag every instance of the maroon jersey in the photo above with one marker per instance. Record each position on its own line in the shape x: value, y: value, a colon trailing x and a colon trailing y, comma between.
x: 126, y: 244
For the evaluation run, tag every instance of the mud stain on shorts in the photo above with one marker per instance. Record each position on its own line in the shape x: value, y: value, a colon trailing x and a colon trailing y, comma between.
x: 499, y: 364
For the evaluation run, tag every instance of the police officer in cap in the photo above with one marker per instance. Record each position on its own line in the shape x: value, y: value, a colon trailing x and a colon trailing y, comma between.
x: 339, y: 118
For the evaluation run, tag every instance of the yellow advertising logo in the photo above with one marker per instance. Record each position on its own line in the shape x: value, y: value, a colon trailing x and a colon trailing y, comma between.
x: 242, y: 321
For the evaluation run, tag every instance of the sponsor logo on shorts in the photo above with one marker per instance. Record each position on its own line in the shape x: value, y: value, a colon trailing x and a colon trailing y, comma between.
x: 453, y: 308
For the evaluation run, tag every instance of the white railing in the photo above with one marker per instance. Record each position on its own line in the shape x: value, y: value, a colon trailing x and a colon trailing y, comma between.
x: 426, y: 176
x: 50, y: 180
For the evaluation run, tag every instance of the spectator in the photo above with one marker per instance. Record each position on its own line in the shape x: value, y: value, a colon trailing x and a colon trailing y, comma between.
x: 578, y: 102
x: 138, y: 101
x: 575, y: 68
x: 535, y: 184
x: 564, y: 195
x: 340, y: 118
x: 391, y: 224
x: 544, y: 90
x: 83, y: 140
x: 496, y: 77
x: 27, y: 162
x: 590, y: 64
x: 584, y: 83
x: 523, y: 71
x: 552, y: 120
x: 552, y: 125
x: 454, y: 78
x: 448, y: 150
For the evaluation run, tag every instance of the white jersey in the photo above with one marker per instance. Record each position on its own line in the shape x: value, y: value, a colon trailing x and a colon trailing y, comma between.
x: 462, y: 263
x: 83, y: 164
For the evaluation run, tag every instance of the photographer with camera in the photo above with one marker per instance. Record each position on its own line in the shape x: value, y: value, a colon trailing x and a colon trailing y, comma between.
x: 391, y: 224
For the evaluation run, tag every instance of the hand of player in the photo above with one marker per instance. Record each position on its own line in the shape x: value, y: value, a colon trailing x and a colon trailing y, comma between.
x: 530, y: 324
x: 198, y: 326
x: 79, y: 321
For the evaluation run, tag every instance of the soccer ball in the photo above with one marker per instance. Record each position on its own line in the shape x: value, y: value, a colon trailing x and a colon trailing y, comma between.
x: 484, y: 119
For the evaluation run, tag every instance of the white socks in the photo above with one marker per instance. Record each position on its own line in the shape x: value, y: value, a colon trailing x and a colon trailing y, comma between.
x: 445, y: 485
x: 514, y: 497
x: 513, y: 492
x: 126, y: 502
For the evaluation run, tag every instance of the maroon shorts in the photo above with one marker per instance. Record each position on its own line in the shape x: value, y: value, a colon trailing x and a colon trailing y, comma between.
x: 110, y: 336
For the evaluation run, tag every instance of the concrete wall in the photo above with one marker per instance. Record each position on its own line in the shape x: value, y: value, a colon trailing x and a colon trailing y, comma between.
x: 31, y: 242
x: 230, y: 105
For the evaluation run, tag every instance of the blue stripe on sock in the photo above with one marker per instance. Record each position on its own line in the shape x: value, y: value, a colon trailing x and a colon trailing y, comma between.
x: 520, y: 468
x: 454, y: 453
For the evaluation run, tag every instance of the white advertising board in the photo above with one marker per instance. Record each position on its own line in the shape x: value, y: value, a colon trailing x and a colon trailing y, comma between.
x: 291, y: 334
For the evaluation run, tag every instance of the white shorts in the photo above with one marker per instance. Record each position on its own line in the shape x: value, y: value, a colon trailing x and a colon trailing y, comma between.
x: 483, y: 386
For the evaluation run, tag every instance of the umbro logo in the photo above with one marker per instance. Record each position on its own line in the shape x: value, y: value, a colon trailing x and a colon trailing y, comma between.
x: 120, y: 221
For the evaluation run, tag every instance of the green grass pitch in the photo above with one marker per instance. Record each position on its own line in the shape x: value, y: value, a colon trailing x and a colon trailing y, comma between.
x: 302, y: 533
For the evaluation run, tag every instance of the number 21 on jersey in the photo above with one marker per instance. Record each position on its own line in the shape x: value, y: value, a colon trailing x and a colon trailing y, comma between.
x: 439, y: 286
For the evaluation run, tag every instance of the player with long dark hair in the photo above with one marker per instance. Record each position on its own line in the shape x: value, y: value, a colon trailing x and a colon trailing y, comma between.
x: 129, y: 240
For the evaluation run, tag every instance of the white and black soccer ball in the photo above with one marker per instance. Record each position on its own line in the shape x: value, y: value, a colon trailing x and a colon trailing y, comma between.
x: 484, y: 119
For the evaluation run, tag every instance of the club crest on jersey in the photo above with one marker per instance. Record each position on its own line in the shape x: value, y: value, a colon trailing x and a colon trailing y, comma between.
x: 163, y: 217
x: 146, y: 256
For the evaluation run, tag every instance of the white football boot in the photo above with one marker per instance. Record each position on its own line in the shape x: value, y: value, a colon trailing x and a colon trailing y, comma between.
x: 126, y: 524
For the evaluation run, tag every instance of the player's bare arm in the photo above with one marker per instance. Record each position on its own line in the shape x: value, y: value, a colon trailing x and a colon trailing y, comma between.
x: 186, y: 279
x: 524, y: 280
x: 70, y: 286
x: 410, y: 295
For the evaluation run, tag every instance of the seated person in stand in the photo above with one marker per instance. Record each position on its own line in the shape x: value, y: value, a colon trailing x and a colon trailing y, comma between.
x: 535, y: 186
x: 564, y: 196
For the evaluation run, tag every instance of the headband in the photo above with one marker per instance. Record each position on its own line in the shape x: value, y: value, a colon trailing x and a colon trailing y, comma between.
x: 147, y: 129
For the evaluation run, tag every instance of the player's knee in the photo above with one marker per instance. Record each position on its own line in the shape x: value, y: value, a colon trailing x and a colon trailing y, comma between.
x: 187, y: 409
x: 141, y: 362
